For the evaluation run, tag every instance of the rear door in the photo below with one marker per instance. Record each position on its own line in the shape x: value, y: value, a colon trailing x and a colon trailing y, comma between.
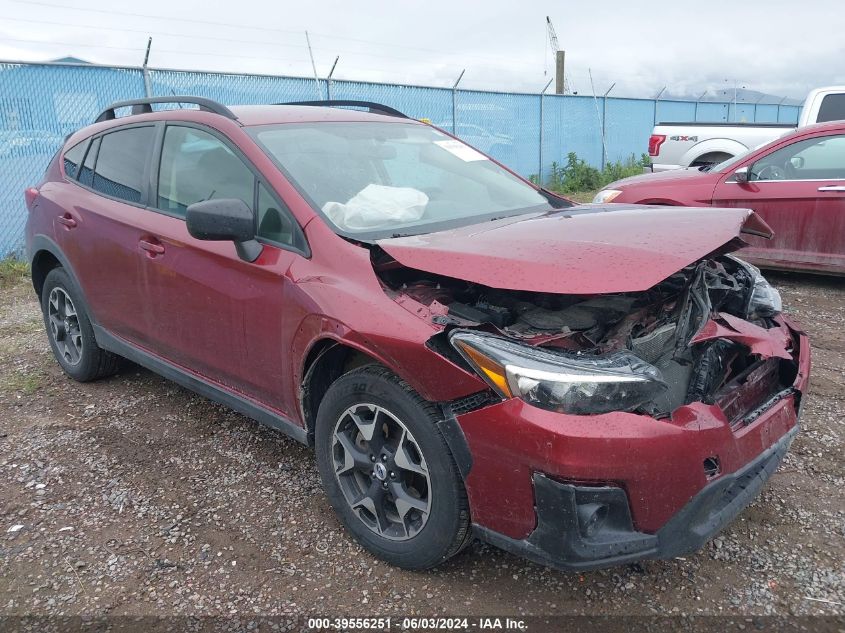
x: 799, y: 190
x: 211, y: 312
x: 98, y: 230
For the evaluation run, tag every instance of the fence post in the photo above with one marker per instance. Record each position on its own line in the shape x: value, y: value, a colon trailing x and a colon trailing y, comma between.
x: 454, y: 102
x: 777, y: 118
x: 148, y: 89
x: 656, y: 99
x: 697, y: 101
x: 329, y: 79
x: 604, y: 127
x: 540, y: 167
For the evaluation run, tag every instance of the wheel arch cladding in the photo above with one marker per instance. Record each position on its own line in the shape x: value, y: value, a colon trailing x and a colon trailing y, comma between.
x: 42, y: 263
x: 327, y: 360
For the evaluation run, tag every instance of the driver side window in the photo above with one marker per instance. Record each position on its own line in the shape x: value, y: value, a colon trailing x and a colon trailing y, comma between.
x: 819, y: 158
x: 197, y: 166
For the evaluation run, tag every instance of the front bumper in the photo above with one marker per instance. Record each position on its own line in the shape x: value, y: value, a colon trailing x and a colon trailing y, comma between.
x: 559, y: 539
x: 533, y: 469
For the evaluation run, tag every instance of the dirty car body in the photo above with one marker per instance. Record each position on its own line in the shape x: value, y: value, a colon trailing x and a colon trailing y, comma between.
x: 607, y: 383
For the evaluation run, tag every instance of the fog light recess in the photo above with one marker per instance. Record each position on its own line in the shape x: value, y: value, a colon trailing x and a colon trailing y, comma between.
x: 591, y: 517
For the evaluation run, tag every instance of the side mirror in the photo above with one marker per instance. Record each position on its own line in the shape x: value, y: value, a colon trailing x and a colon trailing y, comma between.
x: 741, y: 175
x: 222, y: 220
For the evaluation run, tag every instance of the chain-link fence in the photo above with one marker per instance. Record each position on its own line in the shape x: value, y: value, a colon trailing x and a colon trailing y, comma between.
x: 41, y: 103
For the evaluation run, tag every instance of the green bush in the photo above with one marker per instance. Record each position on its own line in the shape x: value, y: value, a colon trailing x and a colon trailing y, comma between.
x: 577, y: 175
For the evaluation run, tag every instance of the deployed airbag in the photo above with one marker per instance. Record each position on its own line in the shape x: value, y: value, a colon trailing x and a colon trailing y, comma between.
x: 376, y: 206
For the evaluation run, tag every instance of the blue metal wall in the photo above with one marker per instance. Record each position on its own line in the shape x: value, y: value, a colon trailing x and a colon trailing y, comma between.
x: 41, y: 103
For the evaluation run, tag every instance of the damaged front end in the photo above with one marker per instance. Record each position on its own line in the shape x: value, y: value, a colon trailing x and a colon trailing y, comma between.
x: 709, y: 333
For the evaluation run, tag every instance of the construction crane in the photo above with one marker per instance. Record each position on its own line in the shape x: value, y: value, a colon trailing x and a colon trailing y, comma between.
x: 561, y: 84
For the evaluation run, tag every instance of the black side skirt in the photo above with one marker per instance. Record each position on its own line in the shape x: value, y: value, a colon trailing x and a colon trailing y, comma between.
x: 112, y: 343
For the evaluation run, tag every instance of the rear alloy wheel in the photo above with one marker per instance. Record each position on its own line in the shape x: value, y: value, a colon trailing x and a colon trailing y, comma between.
x: 69, y: 330
x: 64, y: 326
x: 387, y: 470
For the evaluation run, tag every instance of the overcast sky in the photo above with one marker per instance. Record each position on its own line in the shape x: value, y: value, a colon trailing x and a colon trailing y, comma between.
x: 776, y: 46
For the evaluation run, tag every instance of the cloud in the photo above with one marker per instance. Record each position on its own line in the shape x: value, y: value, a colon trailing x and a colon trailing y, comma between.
x: 777, y: 47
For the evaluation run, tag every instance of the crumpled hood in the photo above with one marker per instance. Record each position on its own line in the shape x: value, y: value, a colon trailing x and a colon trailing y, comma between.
x: 586, y: 249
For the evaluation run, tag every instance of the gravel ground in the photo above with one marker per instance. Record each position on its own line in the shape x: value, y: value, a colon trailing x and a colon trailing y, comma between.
x: 132, y: 496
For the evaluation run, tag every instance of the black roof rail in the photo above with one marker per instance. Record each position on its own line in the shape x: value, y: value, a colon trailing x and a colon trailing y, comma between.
x: 143, y: 106
x: 375, y: 108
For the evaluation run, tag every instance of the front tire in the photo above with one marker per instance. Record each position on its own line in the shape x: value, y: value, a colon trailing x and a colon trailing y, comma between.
x: 388, y: 472
x: 69, y: 330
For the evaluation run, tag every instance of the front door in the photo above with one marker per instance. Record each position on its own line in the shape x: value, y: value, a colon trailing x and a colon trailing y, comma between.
x: 210, y: 311
x: 799, y: 190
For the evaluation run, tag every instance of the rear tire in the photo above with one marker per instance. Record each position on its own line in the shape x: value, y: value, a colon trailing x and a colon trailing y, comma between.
x: 70, y: 333
x: 388, y: 472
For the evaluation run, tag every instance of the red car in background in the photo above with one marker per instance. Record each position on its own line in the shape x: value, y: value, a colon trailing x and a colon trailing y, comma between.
x: 796, y: 184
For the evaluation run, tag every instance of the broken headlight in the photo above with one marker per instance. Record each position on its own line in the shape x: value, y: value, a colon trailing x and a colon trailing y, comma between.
x: 560, y: 382
x: 764, y: 300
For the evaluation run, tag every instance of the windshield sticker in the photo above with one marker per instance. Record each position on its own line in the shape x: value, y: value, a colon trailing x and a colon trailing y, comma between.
x: 461, y: 150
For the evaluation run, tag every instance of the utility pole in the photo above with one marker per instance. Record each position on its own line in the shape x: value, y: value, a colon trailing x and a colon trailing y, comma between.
x: 560, y: 58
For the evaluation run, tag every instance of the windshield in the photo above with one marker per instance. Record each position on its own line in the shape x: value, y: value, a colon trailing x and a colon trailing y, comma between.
x: 381, y: 179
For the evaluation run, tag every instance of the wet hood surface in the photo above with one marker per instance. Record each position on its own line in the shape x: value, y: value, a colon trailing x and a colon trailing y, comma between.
x: 586, y: 249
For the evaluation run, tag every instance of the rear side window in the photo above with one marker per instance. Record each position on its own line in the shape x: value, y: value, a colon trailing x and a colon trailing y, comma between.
x: 73, y: 159
x: 121, y: 161
x: 832, y: 108
x: 196, y: 166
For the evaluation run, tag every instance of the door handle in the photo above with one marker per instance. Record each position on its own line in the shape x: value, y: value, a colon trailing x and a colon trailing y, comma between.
x: 832, y: 188
x: 67, y: 219
x: 152, y: 246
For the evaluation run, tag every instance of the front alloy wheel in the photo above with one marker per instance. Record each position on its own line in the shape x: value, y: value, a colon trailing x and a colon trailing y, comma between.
x: 381, y: 471
x: 388, y: 471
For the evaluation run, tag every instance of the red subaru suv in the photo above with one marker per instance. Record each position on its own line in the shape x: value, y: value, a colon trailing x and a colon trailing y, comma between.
x: 468, y: 354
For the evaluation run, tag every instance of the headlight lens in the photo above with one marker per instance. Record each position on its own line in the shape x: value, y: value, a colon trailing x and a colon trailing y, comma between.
x: 765, y: 299
x: 565, y: 383
x: 606, y: 195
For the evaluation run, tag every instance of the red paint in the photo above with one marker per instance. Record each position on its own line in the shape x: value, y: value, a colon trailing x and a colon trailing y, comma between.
x: 657, y: 462
x: 772, y: 343
x: 249, y: 326
x: 808, y: 224
x: 559, y: 251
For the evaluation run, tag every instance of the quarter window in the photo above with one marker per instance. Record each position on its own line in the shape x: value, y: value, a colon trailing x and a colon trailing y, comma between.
x: 275, y: 222
x: 121, y: 161
x: 86, y: 174
x: 72, y: 158
x: 197, y: 166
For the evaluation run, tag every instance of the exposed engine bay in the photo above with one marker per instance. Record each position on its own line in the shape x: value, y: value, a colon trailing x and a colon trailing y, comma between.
x: 701, y: 335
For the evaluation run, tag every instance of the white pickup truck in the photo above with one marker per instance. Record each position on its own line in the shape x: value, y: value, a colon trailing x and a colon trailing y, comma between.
x: 676, y: 145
